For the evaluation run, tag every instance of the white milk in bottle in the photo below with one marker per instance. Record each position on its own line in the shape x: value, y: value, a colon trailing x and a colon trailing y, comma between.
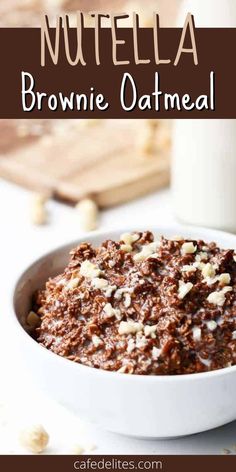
x: 204, y: 151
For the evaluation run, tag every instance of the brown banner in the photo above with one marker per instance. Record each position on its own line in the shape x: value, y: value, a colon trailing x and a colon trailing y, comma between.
x: 210, y: 85
x: 118, y: 463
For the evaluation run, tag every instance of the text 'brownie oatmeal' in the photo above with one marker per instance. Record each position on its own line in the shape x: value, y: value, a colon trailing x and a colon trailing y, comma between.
x: 141, y: 306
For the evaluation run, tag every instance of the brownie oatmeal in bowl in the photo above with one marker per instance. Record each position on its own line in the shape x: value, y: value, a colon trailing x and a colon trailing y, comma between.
x: 141, y: 305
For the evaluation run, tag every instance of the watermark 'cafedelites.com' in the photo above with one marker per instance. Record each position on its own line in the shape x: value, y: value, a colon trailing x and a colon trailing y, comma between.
x: 118, y: 464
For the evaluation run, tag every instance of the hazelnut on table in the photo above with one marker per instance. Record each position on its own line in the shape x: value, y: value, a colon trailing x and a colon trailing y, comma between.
x: 35, y: 439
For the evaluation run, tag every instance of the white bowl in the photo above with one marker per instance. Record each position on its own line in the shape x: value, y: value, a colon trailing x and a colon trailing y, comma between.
x: 135, y: 405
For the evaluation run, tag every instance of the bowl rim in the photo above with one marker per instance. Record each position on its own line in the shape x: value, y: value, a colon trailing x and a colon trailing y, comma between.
x: 161, y: 229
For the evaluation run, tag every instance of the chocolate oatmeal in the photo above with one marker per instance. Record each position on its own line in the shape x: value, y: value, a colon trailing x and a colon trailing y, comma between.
x: 141, y: 306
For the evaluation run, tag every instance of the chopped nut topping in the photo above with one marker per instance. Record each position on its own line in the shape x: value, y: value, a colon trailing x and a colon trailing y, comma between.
x: 188, y: 248
x: 147, y: 251
x: 227, y: 289
x: 126, y: 247
x: 141, y: 341
x: 127, y: 300
x: 109, y: 290
x: 89, y: 270
x: 156, y: 353
x: 218, y: 298
x: 224, y: 279
x: 131, y: 345
x: 202, y: 256
x: 150, y: 331
x: 96, y: 341
x: 34, y: 439
x: 122, y: 291
x: 184, y: 289
x: 199, y: 265
x: 129, y: 327
x: 197, y: 333
x: 110, y: 311
x: 73, y: 283
x: 211, y: 325
x: 99, y: 283
x: 129, y: 238
x: 208, y: 270
x: 122, y: 309
x: 189, y: 268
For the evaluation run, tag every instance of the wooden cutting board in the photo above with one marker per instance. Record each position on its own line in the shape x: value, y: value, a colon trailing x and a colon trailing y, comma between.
x: 71, y: 160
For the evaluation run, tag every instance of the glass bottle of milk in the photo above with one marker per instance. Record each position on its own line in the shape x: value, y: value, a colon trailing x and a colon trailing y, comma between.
x: 204, y: 151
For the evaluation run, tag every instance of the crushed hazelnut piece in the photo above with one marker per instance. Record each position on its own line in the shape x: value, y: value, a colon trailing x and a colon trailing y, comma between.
x: 34, y: 439
x: 99, y: 283
x: 129, y: 327
x: 109, y: 290
x: 126, y: 247
x: 87, y: 269
x: 211, y: 325
x: 197, y: 333
x: 198, y: 265
x: 218, y: 298
x: 150, y: 331
x: 156, y: 353
x: 202, y: 256
x: 129, y: 238
x: 141, y: 341
x: 127, y: 300
x: 96, y: 340
x: 188, y: 248
x: 184, y: 289
x: 88, y: 213
x: 73, y: 283
x: 110, y: 311
x: 121, y: 291
x: 234, y: 335
x: 208, y: 270
x: 227, y: 289
x: 189, y: 268
x: 147, y: 251
x: 131, y: 345
x: 224, y: 279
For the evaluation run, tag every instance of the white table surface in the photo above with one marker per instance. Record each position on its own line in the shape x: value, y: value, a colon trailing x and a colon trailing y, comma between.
x: 20, y: 403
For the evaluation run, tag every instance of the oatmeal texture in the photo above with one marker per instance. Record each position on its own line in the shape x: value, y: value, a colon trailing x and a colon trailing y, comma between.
x: 140, y: 306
